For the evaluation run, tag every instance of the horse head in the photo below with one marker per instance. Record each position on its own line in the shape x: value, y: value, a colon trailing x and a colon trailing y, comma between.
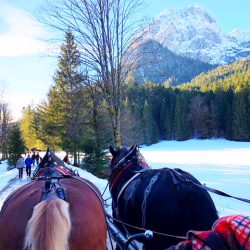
x: 121, y: 155
x: 125, y: 163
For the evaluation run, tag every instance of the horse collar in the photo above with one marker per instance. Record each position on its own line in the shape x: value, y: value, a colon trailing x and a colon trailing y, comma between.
x: 116, y: 178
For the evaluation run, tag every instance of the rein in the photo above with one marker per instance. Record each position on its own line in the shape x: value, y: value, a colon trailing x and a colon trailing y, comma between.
x: 215, y: 191
x: 144, y: 229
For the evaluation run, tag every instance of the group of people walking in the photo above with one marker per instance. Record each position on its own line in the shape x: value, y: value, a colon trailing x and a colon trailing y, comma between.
x: 27, y: 163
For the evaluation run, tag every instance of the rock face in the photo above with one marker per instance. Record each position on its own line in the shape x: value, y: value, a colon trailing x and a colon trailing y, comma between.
x: 192, y: 32
x: 156, y: 63
x: 180, y: 44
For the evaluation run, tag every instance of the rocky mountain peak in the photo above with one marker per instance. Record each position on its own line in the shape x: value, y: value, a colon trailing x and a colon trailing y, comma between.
x: 194, y: 33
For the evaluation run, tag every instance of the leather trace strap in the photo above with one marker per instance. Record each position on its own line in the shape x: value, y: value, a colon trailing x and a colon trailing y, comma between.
x: 125, y: 185
x: 146, y: 193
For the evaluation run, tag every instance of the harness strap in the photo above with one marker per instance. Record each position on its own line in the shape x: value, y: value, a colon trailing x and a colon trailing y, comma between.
x: 46, y: 190
x: 146, y: 193
x: 125, y: 185
x: 60, y: 192
x: 117, y: 178
x: 52, y: 190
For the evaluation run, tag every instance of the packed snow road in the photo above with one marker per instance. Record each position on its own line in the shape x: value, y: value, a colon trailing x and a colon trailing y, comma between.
x: 220, y: 164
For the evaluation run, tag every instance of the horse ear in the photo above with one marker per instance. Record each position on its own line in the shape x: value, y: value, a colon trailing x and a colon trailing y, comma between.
x: 133, y: 149
x: 112, y: 151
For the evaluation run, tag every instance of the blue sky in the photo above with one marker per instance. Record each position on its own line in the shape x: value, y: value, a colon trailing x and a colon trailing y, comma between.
x: 26, y: 72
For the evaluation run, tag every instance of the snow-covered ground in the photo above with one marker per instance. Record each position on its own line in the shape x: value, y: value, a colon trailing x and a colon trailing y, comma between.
x: 221, y: 164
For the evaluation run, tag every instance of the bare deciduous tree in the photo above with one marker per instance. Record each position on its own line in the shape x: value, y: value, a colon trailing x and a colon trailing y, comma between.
x: 5, y: 118
x: 199, y: 117
x: 104, y: 31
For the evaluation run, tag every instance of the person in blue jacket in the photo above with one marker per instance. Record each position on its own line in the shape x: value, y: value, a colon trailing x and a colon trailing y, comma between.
x: 28, y: 163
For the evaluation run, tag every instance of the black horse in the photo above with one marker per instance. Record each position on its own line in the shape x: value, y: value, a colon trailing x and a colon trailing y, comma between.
x: 162, y: 200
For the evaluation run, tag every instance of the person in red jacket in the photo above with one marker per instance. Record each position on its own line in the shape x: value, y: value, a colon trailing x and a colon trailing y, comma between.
x: 231, y: 232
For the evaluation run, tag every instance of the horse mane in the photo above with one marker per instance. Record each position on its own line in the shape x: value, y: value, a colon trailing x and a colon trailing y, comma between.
x: 49, y: 227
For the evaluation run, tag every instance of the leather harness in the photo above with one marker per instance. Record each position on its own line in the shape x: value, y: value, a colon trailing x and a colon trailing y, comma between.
x: 52, y: 189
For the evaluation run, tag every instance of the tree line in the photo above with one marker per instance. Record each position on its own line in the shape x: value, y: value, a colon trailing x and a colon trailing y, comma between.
x: 75, y: 116
x: 95, y: 101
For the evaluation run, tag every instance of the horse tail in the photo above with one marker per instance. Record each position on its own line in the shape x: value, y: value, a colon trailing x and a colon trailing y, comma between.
x: 49, y: 226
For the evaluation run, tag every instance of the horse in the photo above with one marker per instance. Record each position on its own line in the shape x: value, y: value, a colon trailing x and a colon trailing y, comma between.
x: 54, y: 213
x: 166, y: 201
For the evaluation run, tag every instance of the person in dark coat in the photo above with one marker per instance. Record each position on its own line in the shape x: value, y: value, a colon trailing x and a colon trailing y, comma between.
x: 33, y: 157
x: 66, y: 158
x: 28, y: 163
x: 37, y: 158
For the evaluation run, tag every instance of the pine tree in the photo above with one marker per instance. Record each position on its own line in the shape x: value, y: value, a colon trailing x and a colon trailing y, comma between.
x: 16, y: 145
x: 151, y: 131
x: 166, y: 121
x: 47, y: 128
x: 131, y: 125
x: 240, y: 119
x: 29, y: 130
x: 66, y: 97
x: 5, y: 121
x: 180, y: 118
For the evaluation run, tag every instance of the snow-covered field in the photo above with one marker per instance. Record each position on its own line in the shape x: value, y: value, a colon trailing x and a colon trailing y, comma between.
x: 221, y: 164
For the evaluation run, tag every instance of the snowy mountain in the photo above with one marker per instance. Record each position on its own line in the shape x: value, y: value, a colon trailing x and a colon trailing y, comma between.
x: 156, y: 63
x: 194, y: 33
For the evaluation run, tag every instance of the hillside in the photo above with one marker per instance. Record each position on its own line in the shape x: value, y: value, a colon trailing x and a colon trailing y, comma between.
x: 155, y: 63
x: 180, y: 44
x: 235, y: 75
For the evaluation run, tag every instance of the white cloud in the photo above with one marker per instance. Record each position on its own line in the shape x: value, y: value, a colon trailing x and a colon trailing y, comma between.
x: 24, y: 33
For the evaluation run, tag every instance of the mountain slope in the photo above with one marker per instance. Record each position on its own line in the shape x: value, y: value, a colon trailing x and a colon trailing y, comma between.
x: 154, y: 62
x: 235, y: 75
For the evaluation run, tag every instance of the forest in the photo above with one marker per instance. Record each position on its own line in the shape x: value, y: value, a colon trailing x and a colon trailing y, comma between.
x: 95, y: 100
x: 75, y: 117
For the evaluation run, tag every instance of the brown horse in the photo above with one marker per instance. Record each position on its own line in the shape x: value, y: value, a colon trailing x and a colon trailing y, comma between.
x: 76, y: 223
